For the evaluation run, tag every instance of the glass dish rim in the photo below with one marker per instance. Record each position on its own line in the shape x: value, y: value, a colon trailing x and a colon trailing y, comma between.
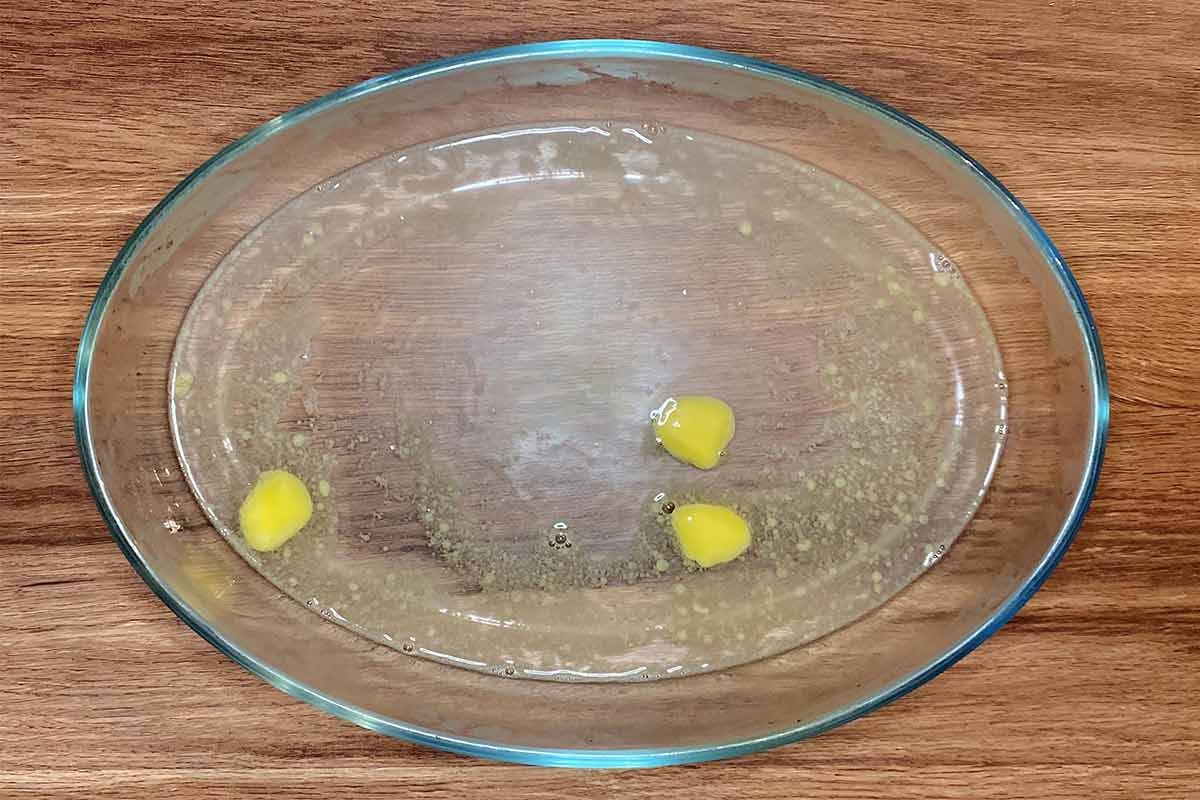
x: 607, y: 757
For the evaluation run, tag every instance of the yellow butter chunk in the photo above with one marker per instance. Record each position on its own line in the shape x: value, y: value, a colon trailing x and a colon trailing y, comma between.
x: 710, y: 535
x: 695, y: 429
x: 275, y: 510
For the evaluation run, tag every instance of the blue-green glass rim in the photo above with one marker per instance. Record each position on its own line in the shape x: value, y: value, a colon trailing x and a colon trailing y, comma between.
x: 601, y: 48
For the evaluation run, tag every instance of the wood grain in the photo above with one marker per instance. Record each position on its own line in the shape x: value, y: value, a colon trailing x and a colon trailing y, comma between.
x: 1088, y: 111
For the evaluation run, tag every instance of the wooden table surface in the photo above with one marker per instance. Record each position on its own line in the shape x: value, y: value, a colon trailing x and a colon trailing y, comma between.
x: 1089, y: 111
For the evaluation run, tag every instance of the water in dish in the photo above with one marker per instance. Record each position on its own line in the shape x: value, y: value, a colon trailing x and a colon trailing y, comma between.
x: 600, y: 401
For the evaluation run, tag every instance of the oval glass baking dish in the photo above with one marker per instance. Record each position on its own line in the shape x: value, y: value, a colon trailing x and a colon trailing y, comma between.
x: 502, y: 260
